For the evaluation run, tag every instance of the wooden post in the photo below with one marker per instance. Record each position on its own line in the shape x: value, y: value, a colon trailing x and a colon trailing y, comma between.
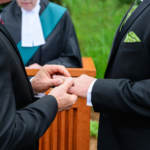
x: 71, y: 129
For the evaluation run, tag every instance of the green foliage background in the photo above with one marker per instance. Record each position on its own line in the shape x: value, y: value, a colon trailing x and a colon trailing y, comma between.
x: 94, y: 128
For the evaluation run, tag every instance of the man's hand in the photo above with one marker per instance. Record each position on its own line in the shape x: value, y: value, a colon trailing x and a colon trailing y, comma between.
x: 43, y: 79
x: 81, y: 85
x: 64, y: 99
x: 34, y: 66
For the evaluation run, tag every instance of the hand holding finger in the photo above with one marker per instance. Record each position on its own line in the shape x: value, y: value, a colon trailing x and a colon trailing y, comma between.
x: 81, y: 85
x: 64, y: 99
x: 57, y: 69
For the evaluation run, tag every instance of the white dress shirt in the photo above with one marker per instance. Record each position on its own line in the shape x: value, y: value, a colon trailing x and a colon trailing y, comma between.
x: 89, y: 103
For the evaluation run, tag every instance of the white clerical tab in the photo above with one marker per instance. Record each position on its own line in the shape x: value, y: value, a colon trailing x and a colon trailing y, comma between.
x: 31, y: 31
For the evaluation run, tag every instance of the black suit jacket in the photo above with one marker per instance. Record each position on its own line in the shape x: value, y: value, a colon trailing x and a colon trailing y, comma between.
x: 124, y: 98
x: 22, y: 119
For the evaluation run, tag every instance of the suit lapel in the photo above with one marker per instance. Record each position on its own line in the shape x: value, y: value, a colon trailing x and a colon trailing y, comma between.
x: 4, y: 31
x: 124, y: 29
x: 115, y: 42
x: 118, y: 30
x: 135, y: 15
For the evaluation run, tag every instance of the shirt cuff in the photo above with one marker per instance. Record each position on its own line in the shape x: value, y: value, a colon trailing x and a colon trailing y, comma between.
x: 37, y: 95
x: 89, y: 103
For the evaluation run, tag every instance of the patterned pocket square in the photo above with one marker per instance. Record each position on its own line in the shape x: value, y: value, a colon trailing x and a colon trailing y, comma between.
x: 131, y: 37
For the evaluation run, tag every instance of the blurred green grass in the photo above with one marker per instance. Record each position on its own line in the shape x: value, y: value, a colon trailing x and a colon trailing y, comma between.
x: 96, y: 22
x: 94, y: 129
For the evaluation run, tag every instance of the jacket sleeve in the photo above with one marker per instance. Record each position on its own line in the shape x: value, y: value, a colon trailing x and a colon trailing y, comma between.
x: 122, y: 95
x: 20, y: 128
x: 70, y: 55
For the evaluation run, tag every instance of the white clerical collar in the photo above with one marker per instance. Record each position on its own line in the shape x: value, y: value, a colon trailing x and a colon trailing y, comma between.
x: 31, y: 32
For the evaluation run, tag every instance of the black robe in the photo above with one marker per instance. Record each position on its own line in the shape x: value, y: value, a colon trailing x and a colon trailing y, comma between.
x: 61, y: 44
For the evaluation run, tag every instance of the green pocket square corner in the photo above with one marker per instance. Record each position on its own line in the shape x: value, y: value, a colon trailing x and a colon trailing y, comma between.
x: 131, y: 37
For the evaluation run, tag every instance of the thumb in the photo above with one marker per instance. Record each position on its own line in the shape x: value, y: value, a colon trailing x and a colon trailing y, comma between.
x: 67, y: 84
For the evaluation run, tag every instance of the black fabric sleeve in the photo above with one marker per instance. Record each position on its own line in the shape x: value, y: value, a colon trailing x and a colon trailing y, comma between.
x: 70, y: 55
x: 20, y: 128
x: 122, y: 95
